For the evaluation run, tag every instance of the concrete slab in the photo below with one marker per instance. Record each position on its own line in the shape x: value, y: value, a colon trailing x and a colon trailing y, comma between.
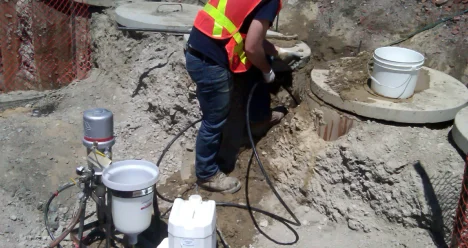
x: 20, y: 98
x: 99, y: 3
x: 460, y: 130
x: 157, y: 15
x: 270, y: 34
x: 440, y: 102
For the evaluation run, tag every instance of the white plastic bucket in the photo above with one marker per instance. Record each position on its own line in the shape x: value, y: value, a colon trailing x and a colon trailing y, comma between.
x: 131, y: 183
x: 396, y: 71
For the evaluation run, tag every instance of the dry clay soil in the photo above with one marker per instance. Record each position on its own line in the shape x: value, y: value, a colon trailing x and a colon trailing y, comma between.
x: 379, y: 185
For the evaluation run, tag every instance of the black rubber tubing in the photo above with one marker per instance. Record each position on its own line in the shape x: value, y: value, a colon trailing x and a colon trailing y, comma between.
x: 47, y: 206
x: 248, y: 207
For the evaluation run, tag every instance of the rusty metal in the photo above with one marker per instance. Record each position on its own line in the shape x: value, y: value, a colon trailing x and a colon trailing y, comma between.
x: 10, y: 45
x: 44, y: 44
x: 70, y: 227
x: 460, y: 225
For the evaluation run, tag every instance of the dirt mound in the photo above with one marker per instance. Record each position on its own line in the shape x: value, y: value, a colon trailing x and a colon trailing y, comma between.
x: 150, y: 69
x: 376, y: 173
x: 350, y: 72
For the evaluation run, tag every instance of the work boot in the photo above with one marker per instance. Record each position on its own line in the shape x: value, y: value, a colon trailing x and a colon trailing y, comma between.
x: 259, y: 129
x: 220, y: 183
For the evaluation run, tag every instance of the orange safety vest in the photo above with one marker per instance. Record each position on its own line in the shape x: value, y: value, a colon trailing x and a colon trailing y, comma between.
x: 222, y: 19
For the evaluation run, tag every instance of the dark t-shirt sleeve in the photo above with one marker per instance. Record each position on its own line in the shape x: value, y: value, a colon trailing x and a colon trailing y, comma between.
x: 268, y: 11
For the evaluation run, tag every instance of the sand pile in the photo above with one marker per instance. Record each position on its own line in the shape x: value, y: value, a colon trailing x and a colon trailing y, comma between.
x: 150, y: 69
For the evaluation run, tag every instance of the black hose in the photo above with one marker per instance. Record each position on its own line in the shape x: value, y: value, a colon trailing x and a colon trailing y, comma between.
x: 166, y: 149
x: 82, y: 219
x: 47, y: 206
x: 267, y: 178
x: 427, y: 27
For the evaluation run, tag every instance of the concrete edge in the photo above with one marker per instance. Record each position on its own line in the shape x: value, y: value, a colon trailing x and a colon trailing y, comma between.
x: 377, y: 112
x: 460, y: 130
x: 460, y: 140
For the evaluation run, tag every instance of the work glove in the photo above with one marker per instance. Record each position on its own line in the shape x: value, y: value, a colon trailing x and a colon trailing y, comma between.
x: 288, y: 56
x: 269, y: 76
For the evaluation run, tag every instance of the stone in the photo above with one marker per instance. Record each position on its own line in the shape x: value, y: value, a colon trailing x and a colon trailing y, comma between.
x: 263, y: 223
x: 63, y: 210
x: 353, y: 224
x: 67, y: 238
x: 59, y: 230
x: 13, y: 217
x: 440, y: 2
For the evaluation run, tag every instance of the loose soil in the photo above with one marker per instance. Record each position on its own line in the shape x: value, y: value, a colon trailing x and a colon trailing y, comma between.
x: 349, y: 77
x: 364, y: 93
x: 370, y: 188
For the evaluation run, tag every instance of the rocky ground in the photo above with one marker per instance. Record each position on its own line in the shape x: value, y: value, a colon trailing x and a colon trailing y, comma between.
x: 381, y: 184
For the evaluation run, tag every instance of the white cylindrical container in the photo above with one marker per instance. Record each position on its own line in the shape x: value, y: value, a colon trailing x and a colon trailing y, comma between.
x: 396, y: 71
x: 132, y: 184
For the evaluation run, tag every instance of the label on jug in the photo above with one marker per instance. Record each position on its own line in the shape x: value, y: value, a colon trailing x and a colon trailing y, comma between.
x: 188, y: 242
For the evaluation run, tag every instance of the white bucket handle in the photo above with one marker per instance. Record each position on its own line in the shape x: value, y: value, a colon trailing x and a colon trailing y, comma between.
x: 413, y: 68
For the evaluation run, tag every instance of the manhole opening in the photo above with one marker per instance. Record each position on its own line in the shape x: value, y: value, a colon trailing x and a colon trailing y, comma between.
x: 332, y: 124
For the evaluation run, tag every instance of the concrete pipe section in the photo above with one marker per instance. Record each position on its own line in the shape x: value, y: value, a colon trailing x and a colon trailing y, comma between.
x: 157, y: 15
x: 439, y: 101
x: 460, y: 130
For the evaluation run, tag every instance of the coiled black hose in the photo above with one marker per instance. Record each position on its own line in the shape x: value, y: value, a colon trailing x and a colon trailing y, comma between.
x: 47, y: 206
x: 248, y: 207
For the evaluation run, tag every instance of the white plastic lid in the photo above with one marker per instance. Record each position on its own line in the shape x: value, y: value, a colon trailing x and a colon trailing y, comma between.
x: 164, y: 243
x: 130, y: 175
x: 194, y: 218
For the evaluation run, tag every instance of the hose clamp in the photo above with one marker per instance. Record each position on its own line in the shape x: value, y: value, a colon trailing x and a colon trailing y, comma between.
x: 133, y: 194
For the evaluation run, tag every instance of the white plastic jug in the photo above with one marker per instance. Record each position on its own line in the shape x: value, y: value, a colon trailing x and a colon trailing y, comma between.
x: 192, y: 223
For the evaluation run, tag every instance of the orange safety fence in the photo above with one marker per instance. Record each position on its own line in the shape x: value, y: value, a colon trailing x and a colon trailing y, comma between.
x: 44, y: 44
x: 460, y: 226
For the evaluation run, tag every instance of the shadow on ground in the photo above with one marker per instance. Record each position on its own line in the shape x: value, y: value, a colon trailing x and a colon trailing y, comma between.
x: 441, y: 192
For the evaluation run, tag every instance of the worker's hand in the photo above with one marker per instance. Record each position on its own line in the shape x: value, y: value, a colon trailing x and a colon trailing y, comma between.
x: 269, y: 76
x: 288, y: 56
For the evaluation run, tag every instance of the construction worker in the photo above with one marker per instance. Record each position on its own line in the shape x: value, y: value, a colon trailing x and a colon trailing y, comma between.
x: 229, y: 37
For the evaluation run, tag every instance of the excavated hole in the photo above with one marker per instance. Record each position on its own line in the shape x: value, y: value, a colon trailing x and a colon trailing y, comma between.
x: 331, y: 124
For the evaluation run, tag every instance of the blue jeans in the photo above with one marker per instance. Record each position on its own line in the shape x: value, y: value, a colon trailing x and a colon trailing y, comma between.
x: 214, y: 88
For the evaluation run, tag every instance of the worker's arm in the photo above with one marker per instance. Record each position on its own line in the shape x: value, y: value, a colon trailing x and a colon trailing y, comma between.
x: 254, y: 41
x: 270, y: 49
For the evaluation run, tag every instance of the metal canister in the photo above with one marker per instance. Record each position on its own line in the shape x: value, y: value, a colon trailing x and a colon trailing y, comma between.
x: 98, y: 125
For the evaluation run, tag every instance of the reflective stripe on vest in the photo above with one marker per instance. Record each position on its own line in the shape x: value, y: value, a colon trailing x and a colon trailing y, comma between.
x: 221, y: 21
x: 218, y: 28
